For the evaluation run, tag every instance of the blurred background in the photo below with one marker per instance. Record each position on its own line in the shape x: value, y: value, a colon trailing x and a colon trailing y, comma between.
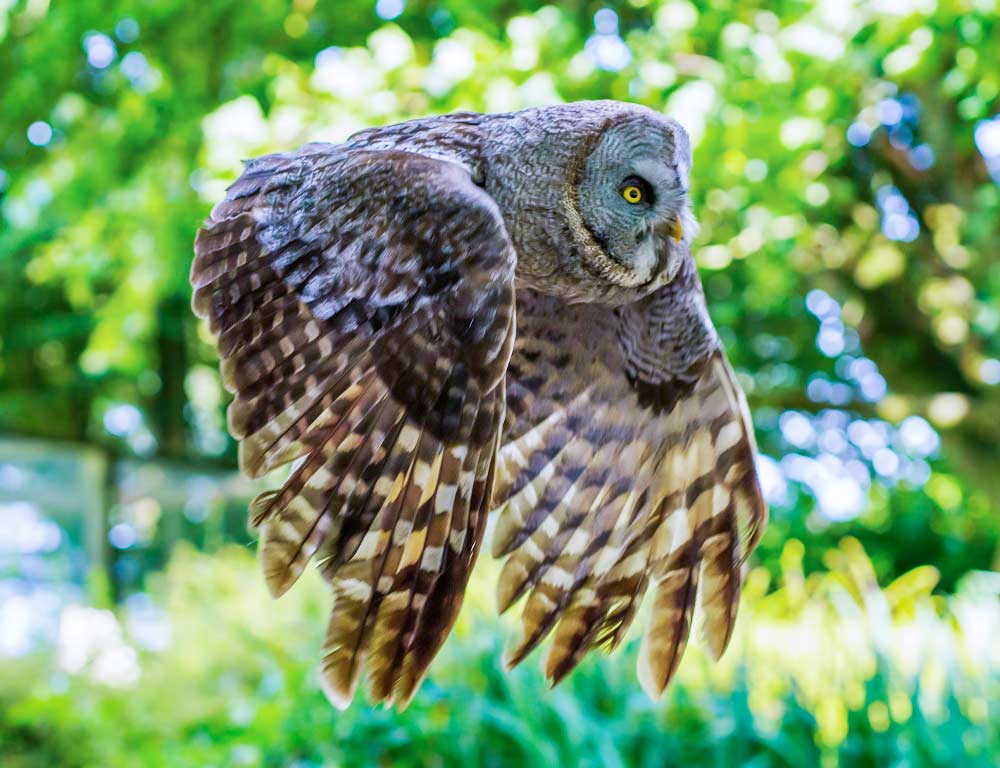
x: 847, y: 163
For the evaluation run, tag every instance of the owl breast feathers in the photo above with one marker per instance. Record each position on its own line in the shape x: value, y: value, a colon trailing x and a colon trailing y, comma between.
x: 458, y: 314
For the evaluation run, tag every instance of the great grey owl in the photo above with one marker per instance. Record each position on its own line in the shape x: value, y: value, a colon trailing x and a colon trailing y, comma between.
x: 471, y: 312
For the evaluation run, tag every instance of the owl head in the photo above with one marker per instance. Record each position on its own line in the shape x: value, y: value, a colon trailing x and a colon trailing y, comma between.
x: 594, y: 195
x: 632, y: 197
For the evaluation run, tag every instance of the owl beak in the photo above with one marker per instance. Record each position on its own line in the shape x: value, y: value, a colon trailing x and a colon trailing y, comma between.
x: 677, y: 229
x: 674, y: 228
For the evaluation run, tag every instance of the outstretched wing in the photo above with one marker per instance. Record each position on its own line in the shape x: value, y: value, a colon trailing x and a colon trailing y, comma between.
x: 364, y: 307
x: 627, y: 466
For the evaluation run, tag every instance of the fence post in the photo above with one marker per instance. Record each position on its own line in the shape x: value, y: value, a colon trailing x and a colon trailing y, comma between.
x: 100, y: 584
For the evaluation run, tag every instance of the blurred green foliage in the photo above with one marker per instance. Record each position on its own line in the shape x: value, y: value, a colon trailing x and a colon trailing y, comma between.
x: 836, y: 151
x: 825, y: 670
x: 847, y: 160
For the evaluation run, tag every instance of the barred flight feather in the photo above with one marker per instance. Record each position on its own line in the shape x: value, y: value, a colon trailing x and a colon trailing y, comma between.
x: 621, y: 485
x: 362, y: 297
x: 349, y: 354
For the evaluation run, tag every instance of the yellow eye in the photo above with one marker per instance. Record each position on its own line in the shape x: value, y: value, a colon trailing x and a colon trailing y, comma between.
x: 632, y: 194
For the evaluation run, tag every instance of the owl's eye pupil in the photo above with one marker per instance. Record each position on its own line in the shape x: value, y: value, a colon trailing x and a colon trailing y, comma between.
x: 635, y: 190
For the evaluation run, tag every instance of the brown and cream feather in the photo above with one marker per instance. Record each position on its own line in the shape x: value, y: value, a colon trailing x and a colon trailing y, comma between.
x: 628, y: 466
x: 366, y: 339
x: 454, y: 314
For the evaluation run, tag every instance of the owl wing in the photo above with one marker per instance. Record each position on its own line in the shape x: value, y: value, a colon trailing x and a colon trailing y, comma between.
x: 627, y: 466
x: 363, y: 305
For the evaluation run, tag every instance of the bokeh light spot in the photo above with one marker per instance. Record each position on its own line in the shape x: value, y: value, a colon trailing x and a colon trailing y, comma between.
x: 39, y: 133
x: 389, y: 9
x: 100, y: 50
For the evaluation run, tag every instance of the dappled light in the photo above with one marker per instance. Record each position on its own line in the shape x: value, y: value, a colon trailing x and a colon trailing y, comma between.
x: 847, y: 183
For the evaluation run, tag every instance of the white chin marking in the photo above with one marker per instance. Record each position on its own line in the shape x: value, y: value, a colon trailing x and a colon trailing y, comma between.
x: 644, y: 261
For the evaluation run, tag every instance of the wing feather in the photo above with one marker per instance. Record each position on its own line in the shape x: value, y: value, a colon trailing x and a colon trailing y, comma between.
x: 363, y: 305
x: 627, y: 468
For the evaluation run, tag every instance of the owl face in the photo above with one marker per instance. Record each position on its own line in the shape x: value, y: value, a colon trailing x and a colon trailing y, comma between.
x: 633, y: 196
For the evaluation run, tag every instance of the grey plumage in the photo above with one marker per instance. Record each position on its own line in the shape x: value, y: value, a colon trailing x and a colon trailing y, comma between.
x: 469, y: 312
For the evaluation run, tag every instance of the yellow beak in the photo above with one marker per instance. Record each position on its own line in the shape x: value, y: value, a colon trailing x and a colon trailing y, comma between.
x: 676, y: 230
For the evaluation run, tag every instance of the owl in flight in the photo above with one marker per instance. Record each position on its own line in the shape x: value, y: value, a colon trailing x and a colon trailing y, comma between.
x: 468, y: 313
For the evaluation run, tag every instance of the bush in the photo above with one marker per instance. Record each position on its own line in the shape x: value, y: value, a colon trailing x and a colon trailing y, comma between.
x: 824, y: 670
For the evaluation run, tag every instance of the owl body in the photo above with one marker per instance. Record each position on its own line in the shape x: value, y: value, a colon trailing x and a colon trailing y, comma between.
x: 473, y: 313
